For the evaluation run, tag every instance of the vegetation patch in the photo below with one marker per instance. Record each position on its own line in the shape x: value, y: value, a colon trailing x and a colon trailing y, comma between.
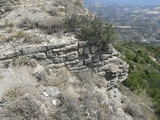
x: 144, y: 70
x: 92, y: 29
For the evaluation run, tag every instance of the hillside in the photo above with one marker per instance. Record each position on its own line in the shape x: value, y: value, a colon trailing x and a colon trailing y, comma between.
x: 144, y: 71
x: 57, y: 63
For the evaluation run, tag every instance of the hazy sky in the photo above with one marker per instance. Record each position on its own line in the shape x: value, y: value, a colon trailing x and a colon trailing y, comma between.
x: 131, y: 2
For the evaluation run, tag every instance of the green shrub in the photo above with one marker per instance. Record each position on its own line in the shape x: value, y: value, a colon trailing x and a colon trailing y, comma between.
x: 92, y: 29
x: 144, y: 73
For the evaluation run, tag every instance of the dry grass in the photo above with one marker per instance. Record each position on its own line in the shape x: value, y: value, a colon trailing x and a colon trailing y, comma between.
x: 52, y: 78
x: 24, y: 108
x: 20, y: 61
x: 18, y: 35
x: 49, y: 25
x: 13, y: 93
x: 133, y: 110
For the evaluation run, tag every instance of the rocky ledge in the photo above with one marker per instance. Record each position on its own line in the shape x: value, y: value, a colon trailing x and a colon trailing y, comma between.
x: 75, y: 55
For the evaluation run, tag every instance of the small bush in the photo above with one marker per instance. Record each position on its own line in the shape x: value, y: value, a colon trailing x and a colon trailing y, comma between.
x: 133, y: 110
x: 23, y: 108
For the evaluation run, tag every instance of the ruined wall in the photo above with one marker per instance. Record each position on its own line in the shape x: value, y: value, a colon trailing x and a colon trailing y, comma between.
x: 75, y: 55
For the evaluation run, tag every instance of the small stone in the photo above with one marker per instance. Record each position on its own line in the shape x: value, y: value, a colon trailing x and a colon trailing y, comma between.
x: 33, y: 63
x: 56, y: 102
x: 38, y: 69
x: 103, y: 73
x: 45, y: 94
x: 53, y: 91
x: 3, y: 103
x: 41, y: 88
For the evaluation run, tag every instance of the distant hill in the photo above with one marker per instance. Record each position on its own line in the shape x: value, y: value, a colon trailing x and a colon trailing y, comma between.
x: 125, y: 2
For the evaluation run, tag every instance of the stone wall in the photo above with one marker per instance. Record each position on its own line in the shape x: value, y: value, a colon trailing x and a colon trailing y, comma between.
x: 75, y: 55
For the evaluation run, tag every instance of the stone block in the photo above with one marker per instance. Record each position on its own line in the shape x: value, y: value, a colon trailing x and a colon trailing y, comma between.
x: 33, y: 49
x: 56, y: 46
x: 102, y: 73
x: 46, y: 62
x: 58, y: 60
x: 86, y: 51
x: 56, y: 50
x: 72, y: 55
x: 82, y: 43
x: 80, y: 51
x: 95, y: 58
x: 56, y: 66
x: 105, y: 56
x: 94, y: 49
x: 52, y: 91
x: 75, y: 62
x: 9, y: 55
x: 70, y: 48
x: 50, y: 54
x: 77, y: 68
x: 39, y: 56
x: 88, y: 61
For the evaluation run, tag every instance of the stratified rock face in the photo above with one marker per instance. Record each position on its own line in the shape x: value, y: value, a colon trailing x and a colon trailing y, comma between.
x: 76, y: 55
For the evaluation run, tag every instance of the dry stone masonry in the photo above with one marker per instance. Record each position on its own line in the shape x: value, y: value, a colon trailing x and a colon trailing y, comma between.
x: 75, y: 55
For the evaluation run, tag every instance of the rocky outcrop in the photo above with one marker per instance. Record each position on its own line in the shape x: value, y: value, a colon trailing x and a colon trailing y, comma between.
x: 75, y: 55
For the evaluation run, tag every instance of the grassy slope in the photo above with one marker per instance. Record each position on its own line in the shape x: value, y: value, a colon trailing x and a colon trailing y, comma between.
x: 144, y: 71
